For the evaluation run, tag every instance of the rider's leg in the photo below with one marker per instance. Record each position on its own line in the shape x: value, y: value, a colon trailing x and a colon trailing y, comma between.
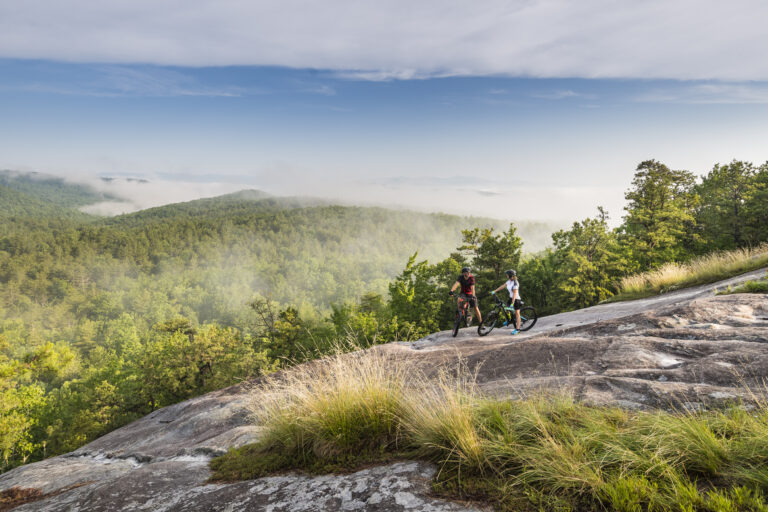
x: 479, y: 316
x: 517, y: 318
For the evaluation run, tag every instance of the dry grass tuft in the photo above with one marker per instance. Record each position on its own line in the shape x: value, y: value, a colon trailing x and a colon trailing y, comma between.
x: 706, y: 269
x: 441, y: 419
x: 329, y: 407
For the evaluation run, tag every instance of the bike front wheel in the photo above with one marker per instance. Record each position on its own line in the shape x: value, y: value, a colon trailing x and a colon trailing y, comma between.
x: 527, y: 318
x: 457, y: 323
x: 488, y: 323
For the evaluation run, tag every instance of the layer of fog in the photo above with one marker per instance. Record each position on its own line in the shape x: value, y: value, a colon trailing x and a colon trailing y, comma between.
x: 547, y: 202
x: 525, y: 206
x: 132, y: 195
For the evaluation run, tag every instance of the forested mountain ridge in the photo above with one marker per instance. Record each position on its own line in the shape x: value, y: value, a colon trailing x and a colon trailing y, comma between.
x: 238, y: 203
x: 16, y: 204
x: 290, y: 247
x: 52, y: 189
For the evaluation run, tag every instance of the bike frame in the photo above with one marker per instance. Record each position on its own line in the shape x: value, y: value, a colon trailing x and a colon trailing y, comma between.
x: 461, y: 313
x: 501, y: 312
x: 507, y: 312
x: 462, y: 304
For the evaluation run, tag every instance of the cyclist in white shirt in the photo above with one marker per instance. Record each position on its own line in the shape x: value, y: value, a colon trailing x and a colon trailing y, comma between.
x: 513, y: 287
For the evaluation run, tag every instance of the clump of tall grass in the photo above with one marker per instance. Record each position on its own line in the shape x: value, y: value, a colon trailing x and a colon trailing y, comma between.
x: 543, y: 452
x: 326, y: 412
x: 706, y: 269
x: 441, y: 420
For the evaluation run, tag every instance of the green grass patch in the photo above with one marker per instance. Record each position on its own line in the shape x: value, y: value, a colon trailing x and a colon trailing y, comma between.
x: 747, y: 287
x: 633, y: 295
x: 541, y: 453
x: 706, y: 269
x: 259, y: 459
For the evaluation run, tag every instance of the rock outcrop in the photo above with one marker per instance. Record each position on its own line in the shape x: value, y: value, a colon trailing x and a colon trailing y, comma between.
x: 684, y: 349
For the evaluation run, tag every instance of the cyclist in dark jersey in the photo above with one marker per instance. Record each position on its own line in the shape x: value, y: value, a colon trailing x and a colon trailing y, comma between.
x: 467, y: 283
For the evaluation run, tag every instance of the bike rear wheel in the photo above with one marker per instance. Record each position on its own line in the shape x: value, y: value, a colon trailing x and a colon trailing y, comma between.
x: 527, y: 318
x: 488, y: 323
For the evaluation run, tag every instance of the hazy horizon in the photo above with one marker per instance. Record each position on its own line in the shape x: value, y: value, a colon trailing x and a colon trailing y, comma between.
x: 141, y: 193
x: 509, y: 111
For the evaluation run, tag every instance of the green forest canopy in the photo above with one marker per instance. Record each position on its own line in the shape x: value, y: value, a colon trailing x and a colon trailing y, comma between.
x: 103, y: 320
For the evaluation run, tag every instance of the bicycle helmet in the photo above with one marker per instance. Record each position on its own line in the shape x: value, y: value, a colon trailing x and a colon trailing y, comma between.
x: 511, y: 273
x: 464, y: 269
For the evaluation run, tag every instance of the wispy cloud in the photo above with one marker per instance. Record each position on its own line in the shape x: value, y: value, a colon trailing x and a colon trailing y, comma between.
x: 321, y: 89
x: 558, y: 95
x: 487, y: 186
x: 497, y: 94
x: 709, y: 93
x: 384, y: 75
x: 488, y: 192
x: 130, y: 81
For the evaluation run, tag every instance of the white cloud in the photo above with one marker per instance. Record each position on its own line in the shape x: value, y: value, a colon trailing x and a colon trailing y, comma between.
x: 386, y: 39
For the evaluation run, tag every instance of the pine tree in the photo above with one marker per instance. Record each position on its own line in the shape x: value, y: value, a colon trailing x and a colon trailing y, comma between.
x: 659, y: 224
x: 722, y: 215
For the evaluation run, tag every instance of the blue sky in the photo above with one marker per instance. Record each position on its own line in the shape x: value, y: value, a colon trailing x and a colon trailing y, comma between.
x: 514, y: 112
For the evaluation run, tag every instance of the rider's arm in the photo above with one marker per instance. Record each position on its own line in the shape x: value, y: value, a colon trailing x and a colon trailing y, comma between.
x: 500, y: 288
x: 473, y: 290
x: 455, y: 285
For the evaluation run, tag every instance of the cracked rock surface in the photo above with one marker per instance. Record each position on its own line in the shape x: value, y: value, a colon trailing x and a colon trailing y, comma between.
x: 686, y: 349
x: 180, y: 485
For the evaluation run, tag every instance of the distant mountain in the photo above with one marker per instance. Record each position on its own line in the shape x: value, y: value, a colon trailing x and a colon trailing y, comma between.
x: 536, y: 235
x: 52, y: 190
x: 21, y: 208
x: 51, y: 196
x: 205, y: 259
x: 243, y: 202
x: 14, y: 203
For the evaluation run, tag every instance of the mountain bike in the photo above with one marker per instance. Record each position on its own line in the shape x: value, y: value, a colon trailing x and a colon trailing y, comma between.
x: 501, y: 314
x: 462, y: 304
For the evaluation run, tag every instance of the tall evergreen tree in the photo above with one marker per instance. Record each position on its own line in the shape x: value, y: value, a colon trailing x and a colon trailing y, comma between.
x: 722, y: 215
x: 659, y: 224
x: 756, y: 209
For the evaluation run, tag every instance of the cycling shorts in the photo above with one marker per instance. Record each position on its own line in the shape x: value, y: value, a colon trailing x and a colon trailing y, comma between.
x: 469, y: 298
x: 518, y: 303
